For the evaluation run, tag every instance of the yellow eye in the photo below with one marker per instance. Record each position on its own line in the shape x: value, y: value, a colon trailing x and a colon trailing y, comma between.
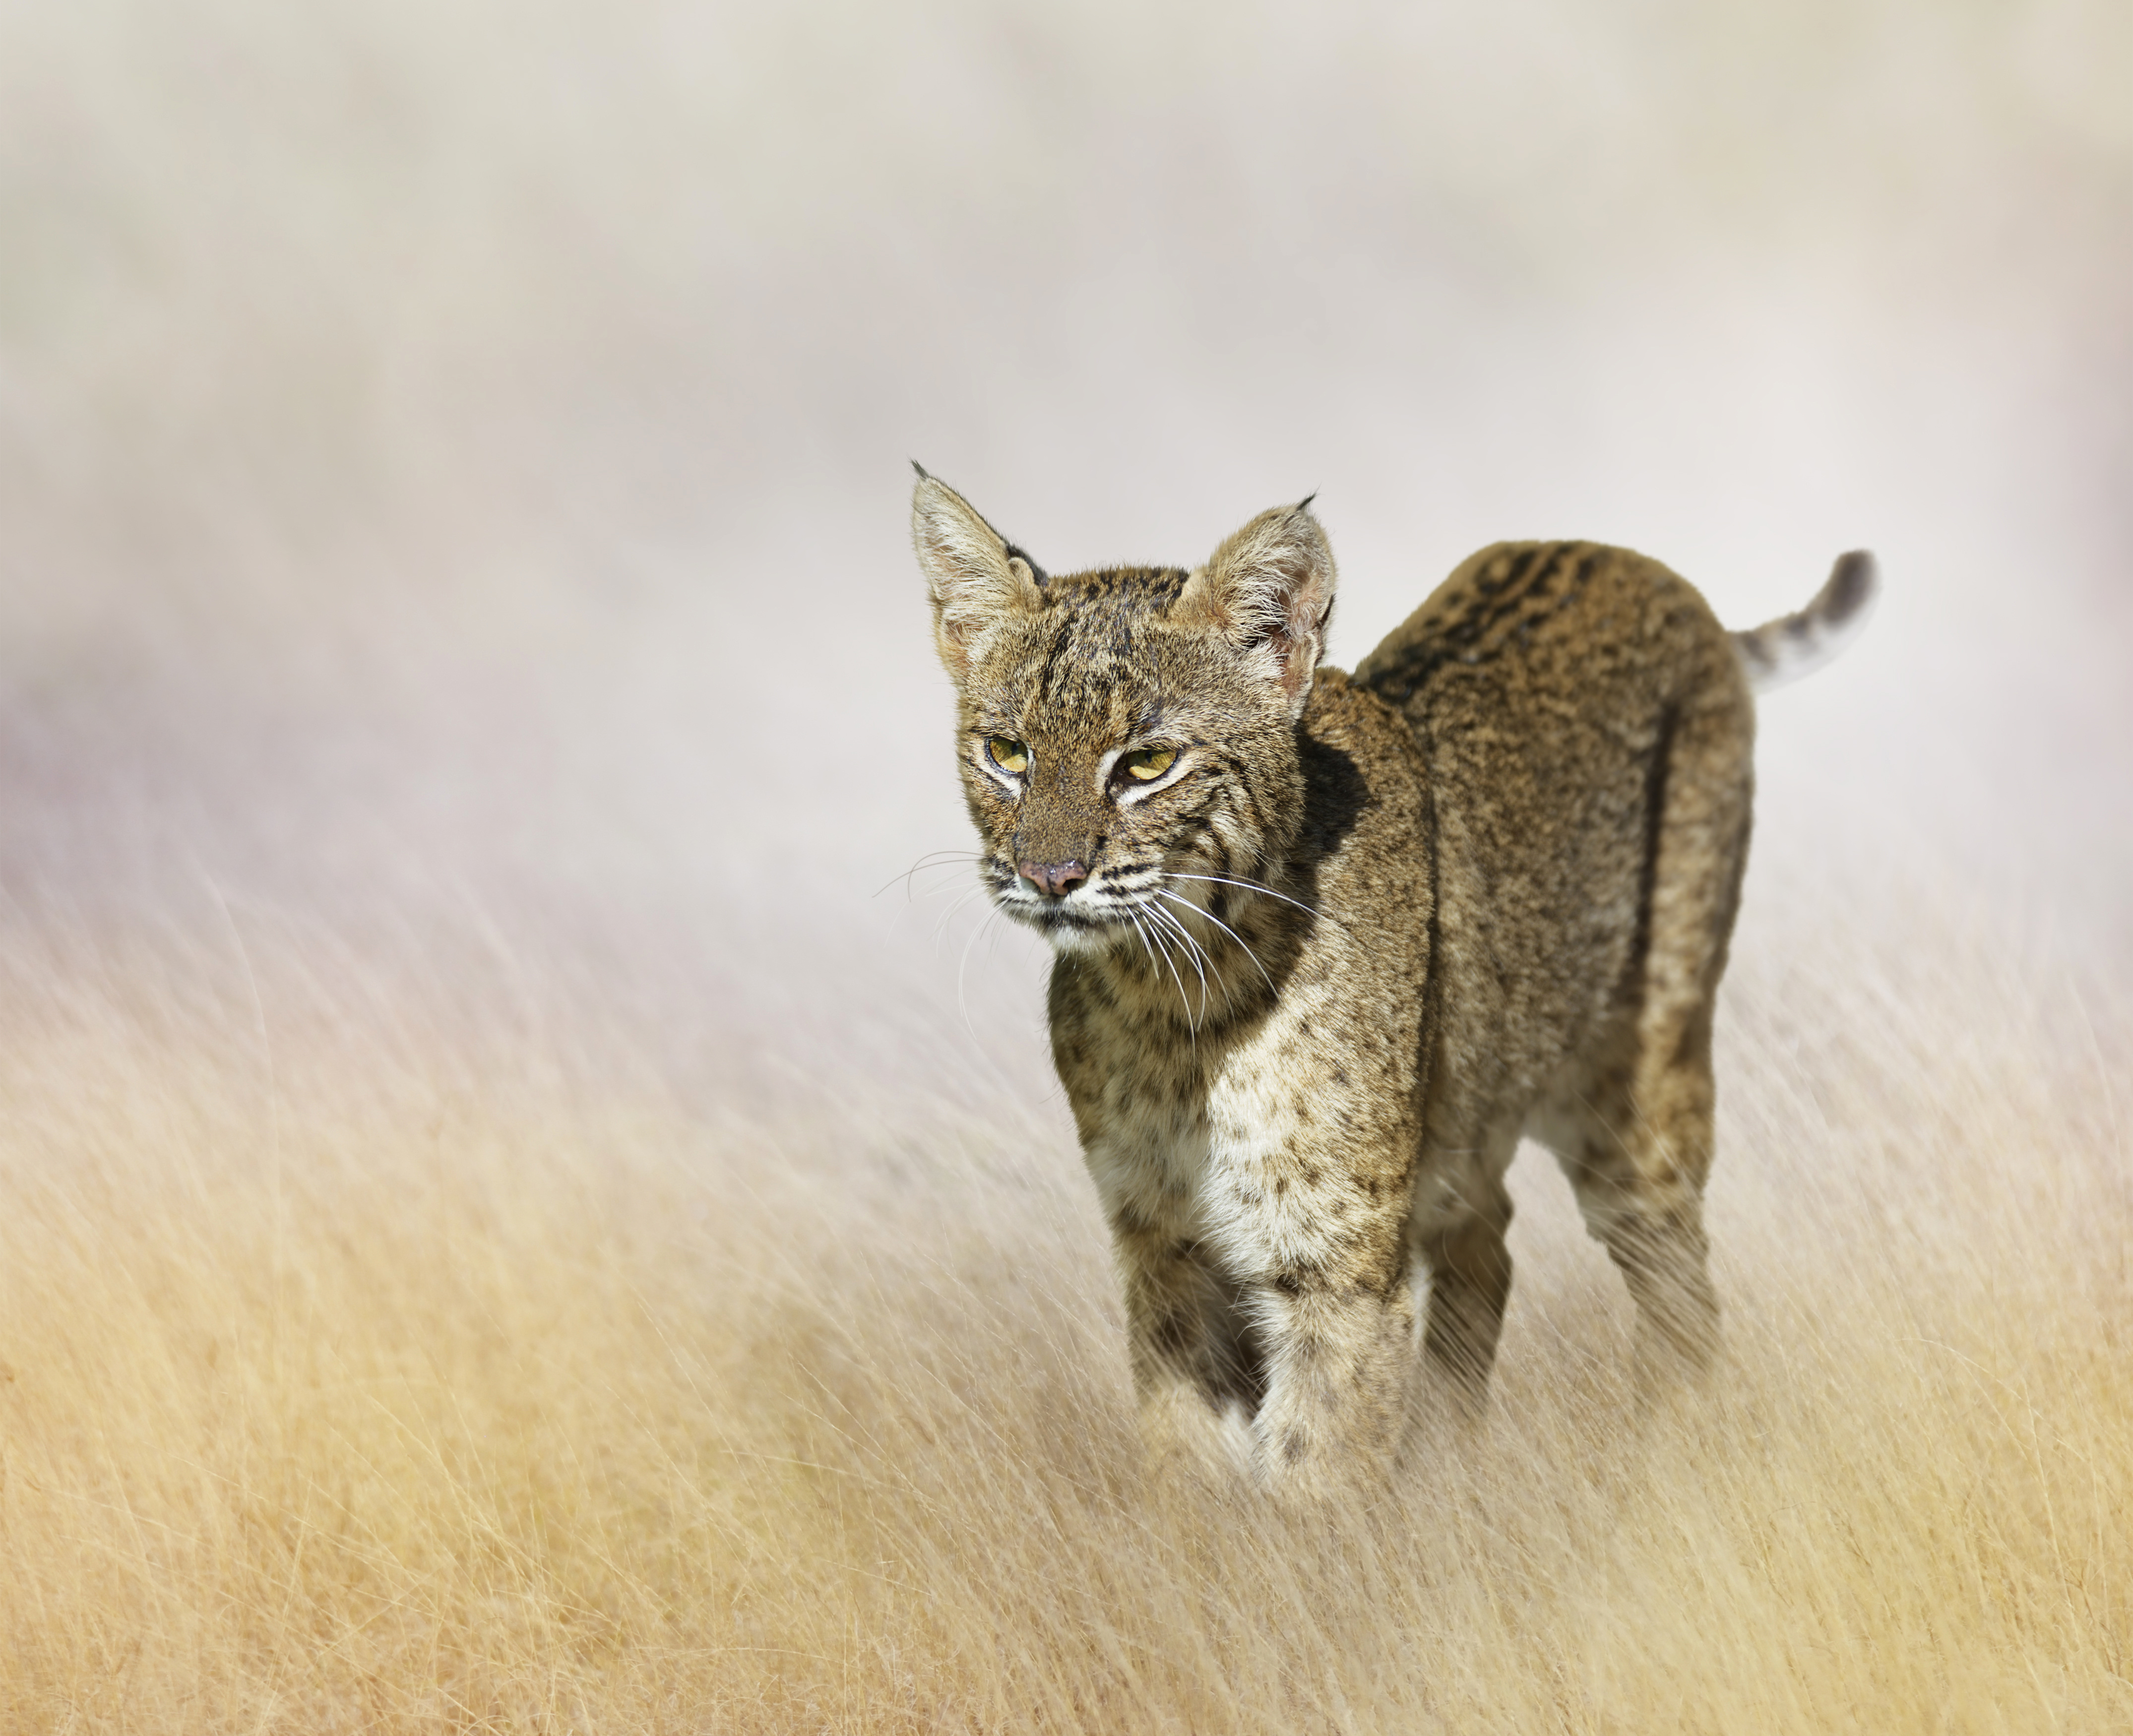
x: 1008, y: 756
x: 1150, y: 762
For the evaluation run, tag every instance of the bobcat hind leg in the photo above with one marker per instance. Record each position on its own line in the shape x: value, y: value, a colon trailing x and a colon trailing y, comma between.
x: 1638, y: 1177
x: 1469, y: 1284
x: 1635, y: 1134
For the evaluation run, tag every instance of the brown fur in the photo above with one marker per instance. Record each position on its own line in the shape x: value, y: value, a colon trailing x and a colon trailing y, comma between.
x: 1314, y: 980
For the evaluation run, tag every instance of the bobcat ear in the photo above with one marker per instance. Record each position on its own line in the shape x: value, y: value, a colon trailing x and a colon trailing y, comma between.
x: 975, y: 578
x: 1268, y: 589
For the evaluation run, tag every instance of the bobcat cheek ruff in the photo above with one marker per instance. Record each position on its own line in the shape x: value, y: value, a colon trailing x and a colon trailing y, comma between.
x: 1328, y: 945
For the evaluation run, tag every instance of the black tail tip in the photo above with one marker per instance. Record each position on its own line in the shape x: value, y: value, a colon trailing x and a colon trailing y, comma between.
x: 1851, y: 582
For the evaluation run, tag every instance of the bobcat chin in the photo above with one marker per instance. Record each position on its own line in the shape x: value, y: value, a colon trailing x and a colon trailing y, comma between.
x: 1327, y: 944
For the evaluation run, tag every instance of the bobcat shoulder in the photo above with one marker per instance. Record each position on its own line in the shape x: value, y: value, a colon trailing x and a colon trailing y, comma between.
x: 1325, y: 946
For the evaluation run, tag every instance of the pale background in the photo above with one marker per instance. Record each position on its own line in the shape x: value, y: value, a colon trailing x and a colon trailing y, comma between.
x: 470, y: 439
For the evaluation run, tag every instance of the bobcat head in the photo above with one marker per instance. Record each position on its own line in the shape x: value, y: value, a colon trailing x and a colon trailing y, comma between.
x: 1126, y: 736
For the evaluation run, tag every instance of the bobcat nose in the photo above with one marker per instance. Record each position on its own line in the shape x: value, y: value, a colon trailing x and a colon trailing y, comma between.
x: 1054, y: 879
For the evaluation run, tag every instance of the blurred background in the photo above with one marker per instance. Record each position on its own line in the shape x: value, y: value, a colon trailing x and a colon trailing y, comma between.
x: 453, y: 455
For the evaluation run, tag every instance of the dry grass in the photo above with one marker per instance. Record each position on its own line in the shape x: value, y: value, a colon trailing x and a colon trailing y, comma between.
x: 349, y: 1390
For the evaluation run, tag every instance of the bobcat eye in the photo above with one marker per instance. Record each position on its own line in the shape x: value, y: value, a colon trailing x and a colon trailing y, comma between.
x: 1009, y: 755
x: 1150, y: 762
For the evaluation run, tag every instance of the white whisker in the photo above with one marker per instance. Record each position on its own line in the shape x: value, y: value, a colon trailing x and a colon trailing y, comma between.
x: 1193, y: 952
x: 1148, y: 945
x: 1184, y: 1001
x: 962, y: 1006
x: 1225, y: 928
x: 932, y: 859
x: 1206, y: 958
x: 1250, y: 885
x: 1229, y: 998
x: 948, y: 916
x: 1143, y: 933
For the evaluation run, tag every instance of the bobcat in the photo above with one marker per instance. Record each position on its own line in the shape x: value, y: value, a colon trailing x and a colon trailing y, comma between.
x: 1327, y: 944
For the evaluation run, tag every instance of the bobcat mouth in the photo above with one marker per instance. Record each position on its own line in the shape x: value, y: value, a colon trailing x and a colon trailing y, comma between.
x: 1082, y: 913
x: 1069, y: 913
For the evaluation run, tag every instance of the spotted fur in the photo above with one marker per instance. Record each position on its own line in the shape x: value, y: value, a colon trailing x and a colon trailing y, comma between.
x: 1314, y: 981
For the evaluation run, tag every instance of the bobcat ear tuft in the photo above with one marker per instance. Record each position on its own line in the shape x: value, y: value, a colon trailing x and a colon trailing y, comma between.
x: 921, y: 469
x: 1302, y: 506
x: 1268, y: 589
x: 974, y: 578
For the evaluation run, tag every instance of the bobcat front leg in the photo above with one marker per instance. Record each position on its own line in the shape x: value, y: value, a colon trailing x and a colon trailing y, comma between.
x: 1339, y: 1353
x: 1334, y: 1321
x: 1196, y: 1374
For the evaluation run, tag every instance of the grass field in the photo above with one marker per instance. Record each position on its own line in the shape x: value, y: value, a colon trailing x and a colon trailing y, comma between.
x: 376, y: 1379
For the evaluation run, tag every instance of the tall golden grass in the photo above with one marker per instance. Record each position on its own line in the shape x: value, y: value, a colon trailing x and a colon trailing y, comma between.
x: 366, y: 1373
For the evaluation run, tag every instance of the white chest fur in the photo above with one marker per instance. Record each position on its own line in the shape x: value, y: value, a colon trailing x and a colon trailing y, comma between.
x: 1241, y: 1150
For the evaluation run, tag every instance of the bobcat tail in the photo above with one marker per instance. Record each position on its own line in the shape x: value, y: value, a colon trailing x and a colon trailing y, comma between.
x: 1792, y: 645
